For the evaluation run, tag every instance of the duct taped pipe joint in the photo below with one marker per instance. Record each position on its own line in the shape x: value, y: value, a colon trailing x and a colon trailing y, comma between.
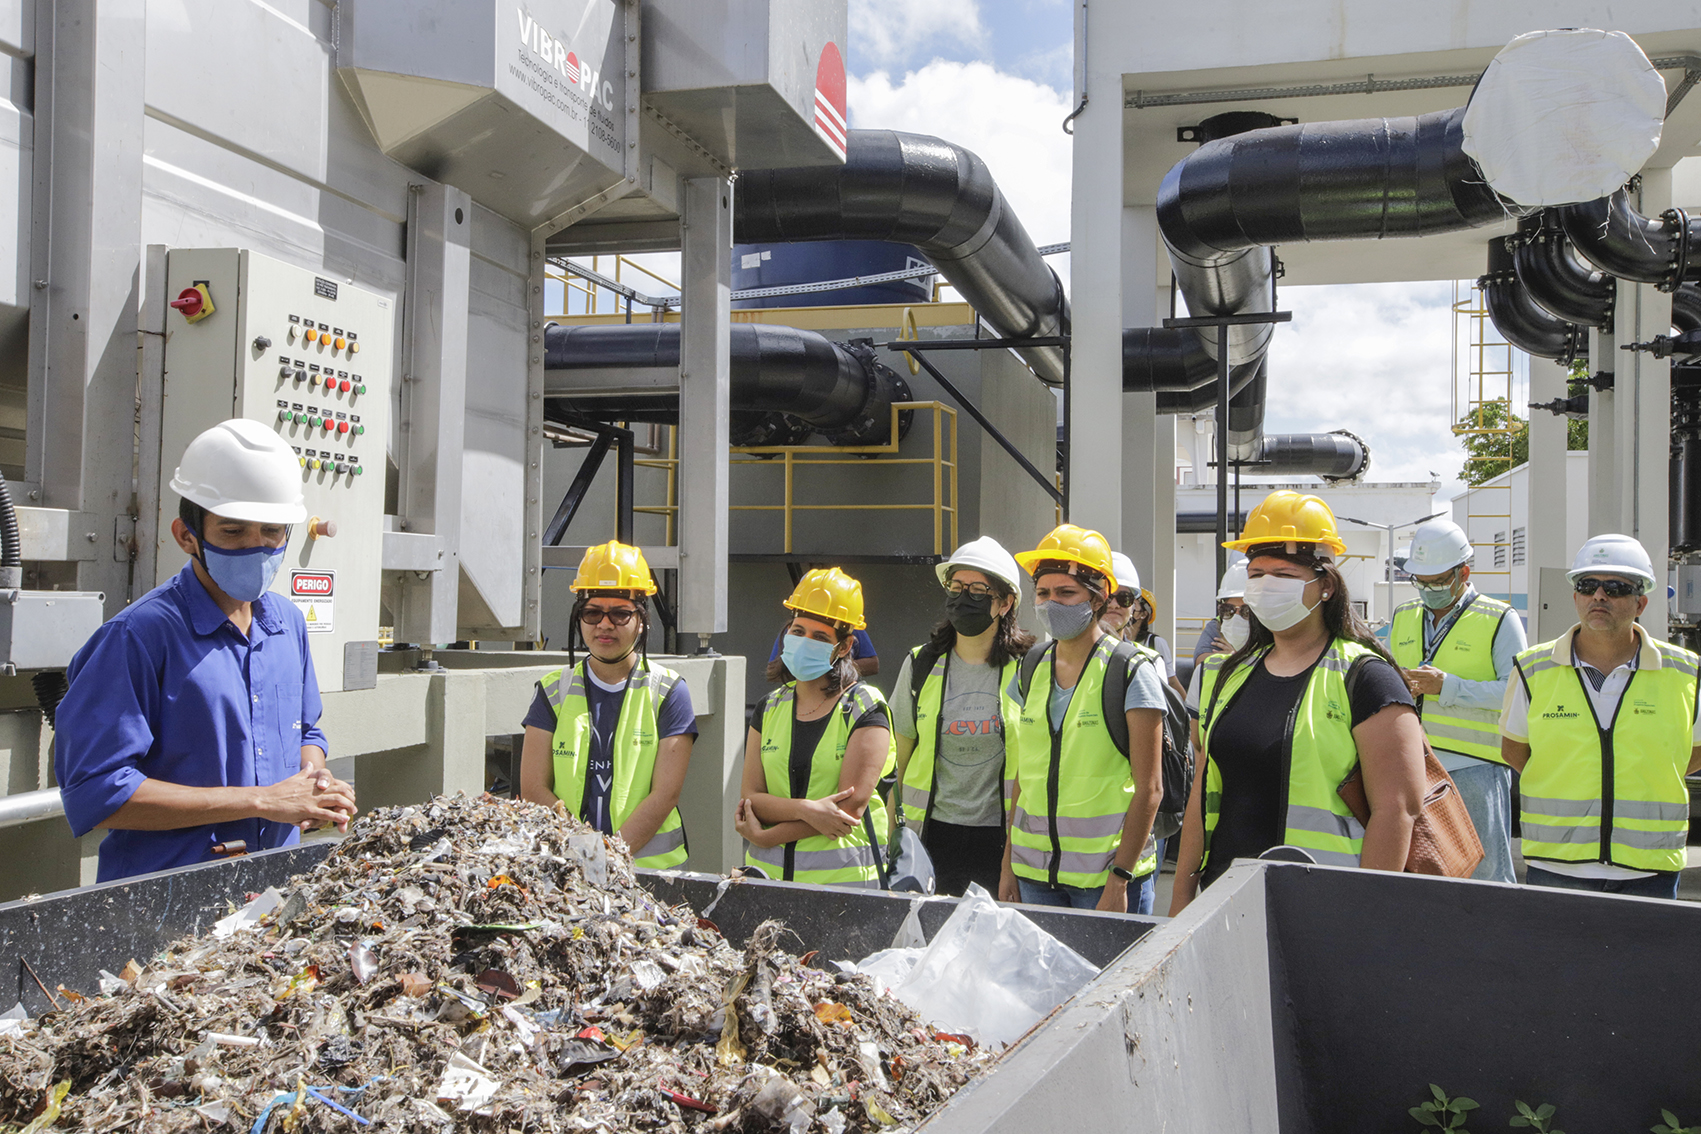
x: 1613, y: 236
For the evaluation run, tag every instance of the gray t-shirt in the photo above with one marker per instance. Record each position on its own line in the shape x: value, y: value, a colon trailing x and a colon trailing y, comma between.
x: 969, y: 765
x: 1145, y: 691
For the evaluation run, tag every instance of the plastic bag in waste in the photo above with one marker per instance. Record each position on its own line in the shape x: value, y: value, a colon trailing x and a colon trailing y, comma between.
x: 989, y: 972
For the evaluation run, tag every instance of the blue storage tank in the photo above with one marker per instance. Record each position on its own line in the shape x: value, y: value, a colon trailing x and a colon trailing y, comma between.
x: 774, y: 265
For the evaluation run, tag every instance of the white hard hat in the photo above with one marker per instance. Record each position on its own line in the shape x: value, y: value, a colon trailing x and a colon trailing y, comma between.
x: 988, y: 556
x: 1437, y: 546
x: 1234, y: 581
x: 242, y: 470
x: 1127, y: 576
x: 1613, y: 555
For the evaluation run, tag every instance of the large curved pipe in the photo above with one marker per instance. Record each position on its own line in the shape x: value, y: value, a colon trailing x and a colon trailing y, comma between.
x: 1168, y: 360
x: 1556, y: 277
x: 1519, y: 319
x: 1371, y: 178
x: 835, y: 389
x: 918, y: 190
x: 1686, y: 308
x: 1620, y: 241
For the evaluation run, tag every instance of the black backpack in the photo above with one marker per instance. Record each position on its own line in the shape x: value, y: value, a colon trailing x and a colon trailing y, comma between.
x: 1178, y: 731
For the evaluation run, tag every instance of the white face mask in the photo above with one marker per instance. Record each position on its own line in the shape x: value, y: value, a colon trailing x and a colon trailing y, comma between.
x: 1235, y: 632
x: 1278, y: 602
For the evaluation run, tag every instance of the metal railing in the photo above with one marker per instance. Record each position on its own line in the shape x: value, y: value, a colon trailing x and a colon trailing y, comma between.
x: 29, y: 806
x: 794, y: 457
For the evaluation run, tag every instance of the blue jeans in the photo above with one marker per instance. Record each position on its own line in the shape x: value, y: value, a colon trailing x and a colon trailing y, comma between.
x: 1661, y: 884
x: 1486, y: 790
x: 1142, y: 892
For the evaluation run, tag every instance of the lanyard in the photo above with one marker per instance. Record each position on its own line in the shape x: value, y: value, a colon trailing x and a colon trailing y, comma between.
x: 1446, y: 625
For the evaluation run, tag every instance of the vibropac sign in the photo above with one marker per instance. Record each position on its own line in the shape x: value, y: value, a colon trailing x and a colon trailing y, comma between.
x: 555, y: 52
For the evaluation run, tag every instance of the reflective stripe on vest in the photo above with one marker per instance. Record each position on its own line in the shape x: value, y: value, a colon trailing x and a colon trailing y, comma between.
x: 1318, y: 751
x: 633, y: 752
x: 1075, y: 786
x: 1467, y: 652
x: 920, y: 774
x: 1607, y: 791
x: 836, y: 862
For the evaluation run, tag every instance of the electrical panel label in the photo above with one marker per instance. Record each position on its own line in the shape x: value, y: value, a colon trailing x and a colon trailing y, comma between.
x: 325, y: 289
x: 313, y: 593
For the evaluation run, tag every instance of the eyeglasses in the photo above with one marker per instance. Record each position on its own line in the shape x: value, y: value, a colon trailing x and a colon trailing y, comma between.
x: 978, y: 590
x: 1615, y: 588
x: 1125, y: 598
x: 592, y: 615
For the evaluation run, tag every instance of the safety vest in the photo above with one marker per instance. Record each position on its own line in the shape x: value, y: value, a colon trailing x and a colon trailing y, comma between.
x: 1608, y: 791
x: 1318, y: 752
x: 633, y: 751
x: 921, y: 774
x: 847, y: 861
x: 1466, y: 651
x: 1075, y: 786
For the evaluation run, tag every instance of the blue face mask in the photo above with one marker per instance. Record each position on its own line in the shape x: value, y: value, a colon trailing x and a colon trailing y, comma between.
x: 243, y: 575
x: 805, y: 657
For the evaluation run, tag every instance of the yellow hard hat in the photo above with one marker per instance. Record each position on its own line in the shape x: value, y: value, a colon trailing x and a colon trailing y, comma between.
x: 829, y: 593
x: 1151, y: 603
x: 1290, y: 517
x: 614, y: 566
x: 1072, y: 544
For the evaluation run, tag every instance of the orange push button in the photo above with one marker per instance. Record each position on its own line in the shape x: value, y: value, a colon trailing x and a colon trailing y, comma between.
x: 339, y: 343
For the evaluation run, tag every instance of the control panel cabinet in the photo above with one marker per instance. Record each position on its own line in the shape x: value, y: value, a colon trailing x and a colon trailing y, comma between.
x: 310, y: 356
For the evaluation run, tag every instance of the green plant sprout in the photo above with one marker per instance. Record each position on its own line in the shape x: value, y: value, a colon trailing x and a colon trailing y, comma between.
x: 1442, y: 1112
x: 1539, y: 1119
x: 1672, y: 1126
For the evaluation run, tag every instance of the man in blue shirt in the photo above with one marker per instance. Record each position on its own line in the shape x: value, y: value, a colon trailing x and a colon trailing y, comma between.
x: 192, y: 717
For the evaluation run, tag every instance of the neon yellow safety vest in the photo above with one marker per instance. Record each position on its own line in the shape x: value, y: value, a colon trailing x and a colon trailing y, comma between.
x: 848, y: 861
x: 633, y: 751
x: 1607, y: 791
x: 1318, y: 752
x: 1075, y: 786
x: 1466, y: 651
x: 920, y: 773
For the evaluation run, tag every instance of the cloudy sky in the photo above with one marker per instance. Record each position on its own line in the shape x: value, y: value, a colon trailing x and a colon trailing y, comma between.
x: 997, y: 78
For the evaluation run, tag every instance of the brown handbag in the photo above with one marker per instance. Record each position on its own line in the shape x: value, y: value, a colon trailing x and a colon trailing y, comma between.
x: 1444, y: 840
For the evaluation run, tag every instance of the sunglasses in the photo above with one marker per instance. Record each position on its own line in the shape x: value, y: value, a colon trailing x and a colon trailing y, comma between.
x: 1615, y: 588
x: 592, y: 615
x: 1125, y: 598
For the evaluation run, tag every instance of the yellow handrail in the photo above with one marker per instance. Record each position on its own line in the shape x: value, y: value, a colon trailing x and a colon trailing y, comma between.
x: 795, y: 456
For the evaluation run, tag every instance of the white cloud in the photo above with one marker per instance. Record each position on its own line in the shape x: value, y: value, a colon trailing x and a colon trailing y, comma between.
x: 1375, y: 359
x: 1011, y: 122
x: 893, y: 33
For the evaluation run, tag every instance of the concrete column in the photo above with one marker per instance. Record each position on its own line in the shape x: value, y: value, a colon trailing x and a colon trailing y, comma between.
x: 434, y: 396
x: 450, y: 760
x: 86, y: 257
x: 1014, y: 508
x: 717, y: 764
x: 1148, y: 452
x: 1643, y: 419
x: 705, y: 382
x: 1095, y: 272
x: 1603, y: 435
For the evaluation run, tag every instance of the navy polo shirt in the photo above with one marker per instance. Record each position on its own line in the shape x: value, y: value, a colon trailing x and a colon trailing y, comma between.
x: 170, y: 690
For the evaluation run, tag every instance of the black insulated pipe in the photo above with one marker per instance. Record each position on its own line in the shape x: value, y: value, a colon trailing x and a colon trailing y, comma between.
x: 1333, y: 456
x: 1556, y: 277
x: 1686, y: 308
x: 1519, y: 319
x: 1683, y: 507
x: 1169, y: 360
x: 838, y: 390
x: 1613, y: 236
x: 913, y: 189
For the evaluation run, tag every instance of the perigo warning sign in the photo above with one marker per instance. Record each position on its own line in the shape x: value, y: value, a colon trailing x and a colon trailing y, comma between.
x: 314, y: 593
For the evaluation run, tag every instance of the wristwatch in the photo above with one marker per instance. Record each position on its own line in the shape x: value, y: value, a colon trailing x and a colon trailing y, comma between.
x: 1125, y: 875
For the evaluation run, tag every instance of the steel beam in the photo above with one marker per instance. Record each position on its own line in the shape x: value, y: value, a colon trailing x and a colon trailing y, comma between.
x: 86, y: 260
x: 705, y: 383
x: 434, y: 397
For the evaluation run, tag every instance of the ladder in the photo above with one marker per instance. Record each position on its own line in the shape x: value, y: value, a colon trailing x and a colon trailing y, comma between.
x: 1483, y: 410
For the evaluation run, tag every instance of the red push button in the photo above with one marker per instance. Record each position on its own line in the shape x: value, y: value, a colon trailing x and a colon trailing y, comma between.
x: 347, y: 385
x: 342, y: 427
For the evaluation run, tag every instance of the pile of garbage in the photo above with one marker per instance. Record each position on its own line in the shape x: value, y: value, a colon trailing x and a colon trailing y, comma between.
x: 477, y: 965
